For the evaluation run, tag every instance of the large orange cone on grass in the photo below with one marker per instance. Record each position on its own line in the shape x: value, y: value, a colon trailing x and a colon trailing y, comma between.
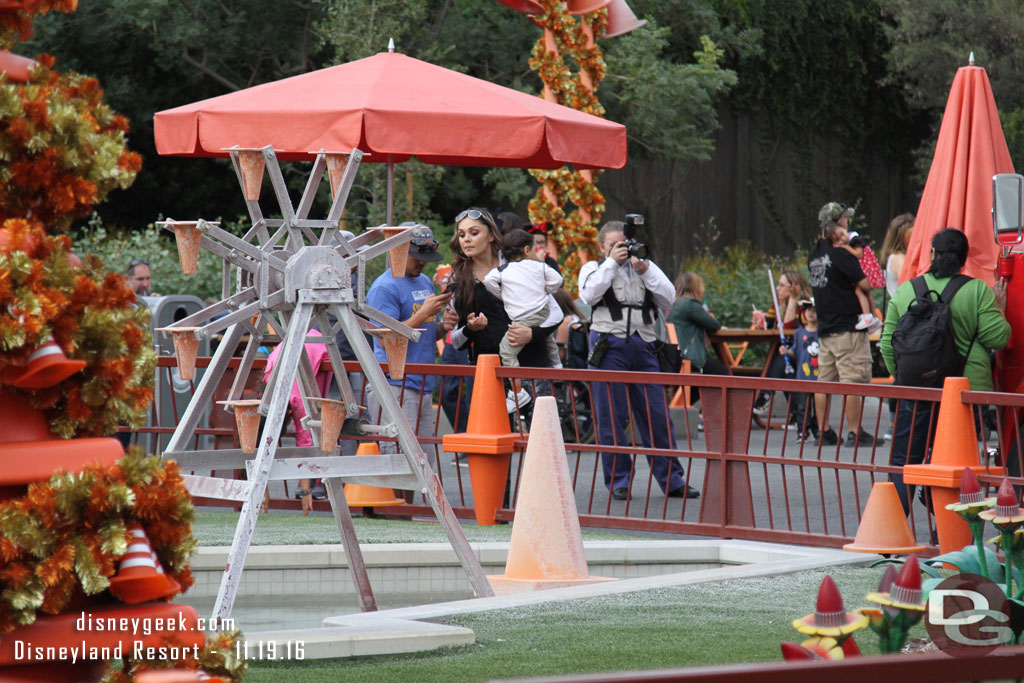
x: 958, y: 193
x: 140, y: 578
x: 487, y: 440
x: 359, y: 495
x: 884, y: 528
x: 546, y: 550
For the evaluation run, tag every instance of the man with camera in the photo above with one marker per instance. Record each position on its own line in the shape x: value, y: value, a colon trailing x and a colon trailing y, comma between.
x: 627, y: 291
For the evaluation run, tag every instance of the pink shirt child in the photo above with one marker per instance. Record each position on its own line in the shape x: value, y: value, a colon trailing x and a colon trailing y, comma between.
x: 316, y: 354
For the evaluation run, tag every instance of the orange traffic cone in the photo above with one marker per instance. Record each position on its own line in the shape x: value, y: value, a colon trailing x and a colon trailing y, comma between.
x: 681, y: 399
x: 186, y: 348
x: 546, y: 550
x: 883, y: 527
x: 395, y: 347
x: 332, y: 419
x: 335, y: 170
x: 252, y: 164
x: 140, y: 578
x: 360, y: 495
x: 955, y: 447
x: 247, y: 422
x: 46, y: 367
x: 486, y: 441
x: 188, y: 237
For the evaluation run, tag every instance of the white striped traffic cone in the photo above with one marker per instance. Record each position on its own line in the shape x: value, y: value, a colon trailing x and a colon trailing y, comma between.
x: 46, y: 367
x: 140, y: 577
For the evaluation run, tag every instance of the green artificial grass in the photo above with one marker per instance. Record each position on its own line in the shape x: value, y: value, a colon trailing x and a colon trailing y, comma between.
x: 727, y: 622
x: 217, y: 528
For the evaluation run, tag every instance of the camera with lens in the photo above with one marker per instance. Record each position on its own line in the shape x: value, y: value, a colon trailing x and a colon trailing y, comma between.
x: 634, y: 247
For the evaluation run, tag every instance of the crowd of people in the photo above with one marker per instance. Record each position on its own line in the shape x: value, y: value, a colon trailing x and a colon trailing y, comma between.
x: 503, y: 294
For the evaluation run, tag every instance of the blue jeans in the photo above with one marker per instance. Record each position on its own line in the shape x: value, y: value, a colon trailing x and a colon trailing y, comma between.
x: 910, y: 448
x: 637, y: 355
x: 456, y: 406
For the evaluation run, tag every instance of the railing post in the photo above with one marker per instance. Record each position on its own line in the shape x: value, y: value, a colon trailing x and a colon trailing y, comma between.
x: 727, y: 414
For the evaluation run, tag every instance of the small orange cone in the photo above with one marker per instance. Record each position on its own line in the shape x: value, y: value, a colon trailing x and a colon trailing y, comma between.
x: 332, y: 418
x: 252, y: 164
x: 360, y: 495
x: 546, y: 550
x: 186, y: 348
x: 681, y: 399
x: 247, y: 422
x: 955, y: 447
x: 335, y: 170
x: 46, y: 367
x: 486, y: 441
x: 140, y: 578
x: 188, y: 237
x: 395, y: 347
x: 397, y: 256
x: 883, y: 527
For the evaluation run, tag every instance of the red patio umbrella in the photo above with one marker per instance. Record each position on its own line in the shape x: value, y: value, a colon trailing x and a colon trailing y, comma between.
x: 393, y: 107
x: 958, y: 193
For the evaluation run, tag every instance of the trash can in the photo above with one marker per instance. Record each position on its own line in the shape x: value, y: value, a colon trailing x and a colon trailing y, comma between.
x: 171, y: 393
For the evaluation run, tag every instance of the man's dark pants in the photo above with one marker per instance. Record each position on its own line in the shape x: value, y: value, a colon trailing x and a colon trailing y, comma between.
x: 637, y: 355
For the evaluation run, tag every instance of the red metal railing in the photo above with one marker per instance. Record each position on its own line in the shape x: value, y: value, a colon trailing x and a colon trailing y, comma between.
x: 756, y: 483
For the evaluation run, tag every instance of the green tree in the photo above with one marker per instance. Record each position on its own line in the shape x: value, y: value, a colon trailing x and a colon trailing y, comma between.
x: 931, y: 40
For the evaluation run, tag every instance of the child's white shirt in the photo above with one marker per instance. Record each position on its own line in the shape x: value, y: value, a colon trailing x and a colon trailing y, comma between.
x: 524, y: 286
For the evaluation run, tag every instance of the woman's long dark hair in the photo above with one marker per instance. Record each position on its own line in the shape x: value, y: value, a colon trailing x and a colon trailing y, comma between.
x: 462, y: 267
x: 950, y: 247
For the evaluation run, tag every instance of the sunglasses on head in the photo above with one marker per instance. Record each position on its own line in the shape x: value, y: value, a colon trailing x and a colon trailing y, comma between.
x: 139, y: 262
x: 475, y: 214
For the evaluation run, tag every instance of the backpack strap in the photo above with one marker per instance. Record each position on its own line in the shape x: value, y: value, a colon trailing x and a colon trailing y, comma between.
x: 920, y: 287
x: 952, y: 287
x: 948, y: 292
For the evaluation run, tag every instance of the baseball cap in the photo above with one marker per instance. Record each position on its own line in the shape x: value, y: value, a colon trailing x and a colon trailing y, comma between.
x: 422, y: 246
x: 833, y: 211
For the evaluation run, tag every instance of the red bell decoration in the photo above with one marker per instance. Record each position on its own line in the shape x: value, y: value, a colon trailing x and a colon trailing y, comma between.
x: 524, y: 6
x: 621, y: 19
x: 577, y: 7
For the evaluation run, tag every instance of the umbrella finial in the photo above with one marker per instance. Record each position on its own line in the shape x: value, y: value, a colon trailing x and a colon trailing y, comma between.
x: 970, y: 59
x: 391, y: 48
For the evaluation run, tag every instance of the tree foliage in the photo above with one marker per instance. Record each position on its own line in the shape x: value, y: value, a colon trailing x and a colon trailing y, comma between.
x: 930, y: 41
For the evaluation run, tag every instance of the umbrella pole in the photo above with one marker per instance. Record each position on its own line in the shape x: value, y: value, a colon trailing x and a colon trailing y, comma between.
x: 391, y: 191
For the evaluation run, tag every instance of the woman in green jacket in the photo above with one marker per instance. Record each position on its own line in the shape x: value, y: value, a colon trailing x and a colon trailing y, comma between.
x: 693, y: 323
x: 978, y: 315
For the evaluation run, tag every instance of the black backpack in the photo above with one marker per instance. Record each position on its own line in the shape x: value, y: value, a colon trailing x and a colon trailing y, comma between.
x: 923, y: 345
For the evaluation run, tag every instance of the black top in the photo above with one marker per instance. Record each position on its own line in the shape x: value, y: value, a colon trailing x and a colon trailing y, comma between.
x: 835, y: 273
x: 533, y: 355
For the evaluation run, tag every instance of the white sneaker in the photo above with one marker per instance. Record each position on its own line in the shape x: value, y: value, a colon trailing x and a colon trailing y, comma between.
x: 875, y: 326
x: 864, y: 321
x: 513, y: 401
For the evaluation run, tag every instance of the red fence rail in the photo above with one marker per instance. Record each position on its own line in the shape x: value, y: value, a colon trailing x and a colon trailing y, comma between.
x: 758, y: 483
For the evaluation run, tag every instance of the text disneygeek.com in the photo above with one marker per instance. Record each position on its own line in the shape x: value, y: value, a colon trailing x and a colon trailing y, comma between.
x: 130, y: 646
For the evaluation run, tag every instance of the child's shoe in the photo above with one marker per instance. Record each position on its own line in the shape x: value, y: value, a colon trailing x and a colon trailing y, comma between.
x: 864, y: 321
x: 513, y: 400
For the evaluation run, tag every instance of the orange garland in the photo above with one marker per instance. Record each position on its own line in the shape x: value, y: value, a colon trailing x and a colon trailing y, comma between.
x: 577, y: 231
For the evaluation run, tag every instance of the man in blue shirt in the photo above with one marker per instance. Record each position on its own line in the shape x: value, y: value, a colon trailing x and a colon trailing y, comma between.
x: 412, y: 300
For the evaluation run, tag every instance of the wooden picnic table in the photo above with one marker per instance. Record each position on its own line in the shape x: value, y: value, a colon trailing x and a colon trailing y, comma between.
x: 721, y: 340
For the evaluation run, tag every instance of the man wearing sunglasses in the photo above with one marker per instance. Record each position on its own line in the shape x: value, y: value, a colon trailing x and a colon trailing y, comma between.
x: 138, y: 278
x: 412, y: 300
